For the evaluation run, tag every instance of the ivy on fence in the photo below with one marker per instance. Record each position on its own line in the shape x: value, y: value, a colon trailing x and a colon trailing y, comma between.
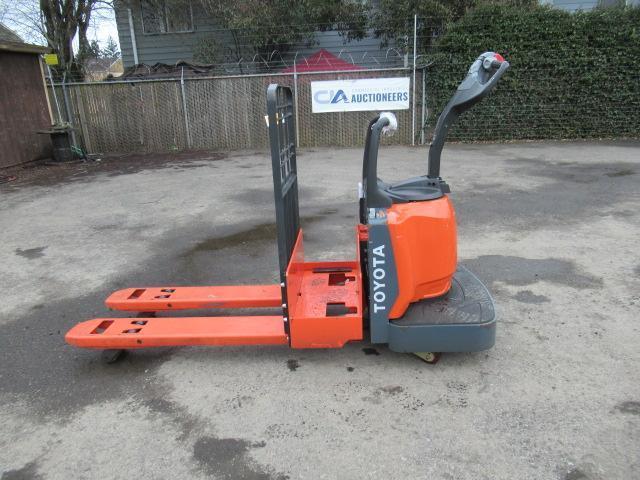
x: 573, y: 75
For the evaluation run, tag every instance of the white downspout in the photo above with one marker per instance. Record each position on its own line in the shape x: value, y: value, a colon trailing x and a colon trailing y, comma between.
x: 132, y: 32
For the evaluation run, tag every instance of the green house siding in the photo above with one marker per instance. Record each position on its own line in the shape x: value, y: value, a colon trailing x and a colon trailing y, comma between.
x: 158, y: 47
x: 170, y: 48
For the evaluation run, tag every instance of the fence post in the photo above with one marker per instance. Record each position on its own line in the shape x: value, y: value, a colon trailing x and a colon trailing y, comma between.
x: 140, y: 127
x: 82, y: 119
x: 295, y: 100
x: 67, y: 108
x: 424, y: 103
x: 413, y: 111
x: 184, y: 109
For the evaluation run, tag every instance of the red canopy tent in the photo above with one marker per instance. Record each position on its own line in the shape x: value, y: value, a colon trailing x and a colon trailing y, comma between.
x: 322, y: 61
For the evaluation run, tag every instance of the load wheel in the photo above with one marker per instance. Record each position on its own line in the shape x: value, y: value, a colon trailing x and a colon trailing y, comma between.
x: 429, y: 357
x: 112, y: 355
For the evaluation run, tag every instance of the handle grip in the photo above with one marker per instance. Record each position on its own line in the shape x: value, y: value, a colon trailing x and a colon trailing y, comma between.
x: 374, y: 197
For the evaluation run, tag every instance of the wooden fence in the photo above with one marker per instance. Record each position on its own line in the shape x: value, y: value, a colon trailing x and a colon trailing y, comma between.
x: 220, y: 113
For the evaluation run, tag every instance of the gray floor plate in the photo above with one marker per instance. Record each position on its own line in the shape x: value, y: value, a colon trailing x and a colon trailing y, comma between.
x: 468, y: 302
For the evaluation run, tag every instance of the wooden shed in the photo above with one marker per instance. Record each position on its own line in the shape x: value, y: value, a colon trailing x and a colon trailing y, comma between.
x: 24, y: 108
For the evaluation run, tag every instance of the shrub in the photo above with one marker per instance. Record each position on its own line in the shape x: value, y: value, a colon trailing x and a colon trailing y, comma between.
x: 573, y: 75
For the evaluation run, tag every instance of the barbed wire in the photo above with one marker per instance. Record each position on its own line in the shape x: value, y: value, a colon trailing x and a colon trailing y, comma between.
x: 380, y: 47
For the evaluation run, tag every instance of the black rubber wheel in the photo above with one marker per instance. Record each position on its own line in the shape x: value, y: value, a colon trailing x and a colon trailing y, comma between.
x: 112, y: 355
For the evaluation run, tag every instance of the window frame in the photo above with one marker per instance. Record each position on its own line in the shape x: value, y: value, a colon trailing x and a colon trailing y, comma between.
x: 164, y: 19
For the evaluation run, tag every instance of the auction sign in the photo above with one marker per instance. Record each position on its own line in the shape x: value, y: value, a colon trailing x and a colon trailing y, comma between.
x: 360, y: 95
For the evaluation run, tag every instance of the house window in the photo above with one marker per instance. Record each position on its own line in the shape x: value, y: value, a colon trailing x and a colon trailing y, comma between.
x: 160, y: 16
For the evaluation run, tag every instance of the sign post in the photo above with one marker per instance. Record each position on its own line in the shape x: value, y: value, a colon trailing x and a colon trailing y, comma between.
x: 52, y: 59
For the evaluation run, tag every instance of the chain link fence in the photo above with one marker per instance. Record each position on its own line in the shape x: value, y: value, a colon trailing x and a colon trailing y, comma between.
x: 572, y: 76
x: 224, y: 113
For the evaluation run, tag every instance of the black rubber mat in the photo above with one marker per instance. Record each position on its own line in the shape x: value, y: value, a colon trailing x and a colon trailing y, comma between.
x: 467, y: 302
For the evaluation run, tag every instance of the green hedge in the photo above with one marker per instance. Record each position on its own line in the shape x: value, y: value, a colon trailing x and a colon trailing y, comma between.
x: 572, y: 75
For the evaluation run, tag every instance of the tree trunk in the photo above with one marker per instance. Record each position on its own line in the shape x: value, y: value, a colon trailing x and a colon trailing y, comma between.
x: 83, y: 18
x: 63, y: 19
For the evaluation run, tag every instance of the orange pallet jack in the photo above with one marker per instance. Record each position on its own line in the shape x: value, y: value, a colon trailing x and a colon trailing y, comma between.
x: 404, y: 283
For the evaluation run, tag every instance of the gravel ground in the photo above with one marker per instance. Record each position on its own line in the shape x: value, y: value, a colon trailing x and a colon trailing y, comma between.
x: 551, y: 228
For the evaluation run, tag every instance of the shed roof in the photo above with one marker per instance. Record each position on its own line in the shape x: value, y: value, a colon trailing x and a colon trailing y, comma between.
x: 8, y: 35
x: 11, y: 42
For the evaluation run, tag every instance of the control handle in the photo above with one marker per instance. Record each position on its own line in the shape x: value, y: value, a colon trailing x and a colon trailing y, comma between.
x: 481, y: 79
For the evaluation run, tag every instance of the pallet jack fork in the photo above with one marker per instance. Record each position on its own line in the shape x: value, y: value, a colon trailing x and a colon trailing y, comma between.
x: 404, y: 282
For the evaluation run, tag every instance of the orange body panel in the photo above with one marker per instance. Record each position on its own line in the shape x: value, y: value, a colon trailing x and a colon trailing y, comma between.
x: 325, y: 301
x: 423, y: 235
x: 154, y: 299
x: 126, y: 333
